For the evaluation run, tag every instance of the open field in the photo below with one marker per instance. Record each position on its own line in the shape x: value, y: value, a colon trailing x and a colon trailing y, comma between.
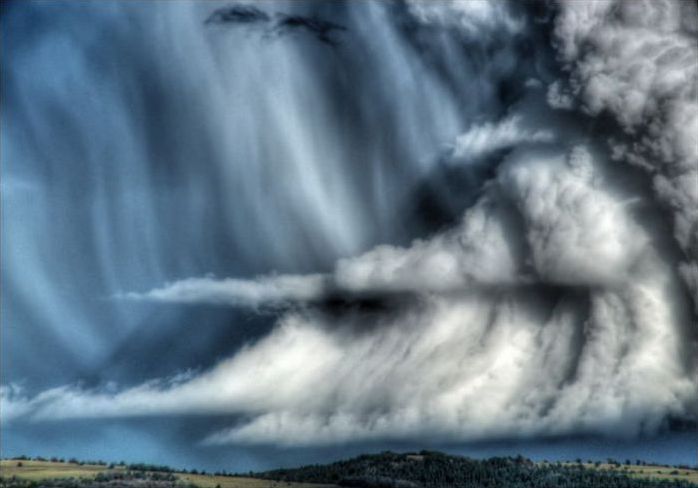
x: 210, y: 481
x: 38, y: 470
x: 656, y: 472
x: 648, y: 471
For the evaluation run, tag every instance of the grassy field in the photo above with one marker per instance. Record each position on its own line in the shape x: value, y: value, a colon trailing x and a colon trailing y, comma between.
x: 210, y: 481
x: 657, y: 472
x: 649, y: 471
x: 38, y: 470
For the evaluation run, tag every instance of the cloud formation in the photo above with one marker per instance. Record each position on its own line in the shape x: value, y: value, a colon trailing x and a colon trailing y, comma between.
x: 486, y: 138
x: 553, y: 307
x: 569, y: 324
x: 638, y: 62
x: 471, y: 17
x: 274, y: 290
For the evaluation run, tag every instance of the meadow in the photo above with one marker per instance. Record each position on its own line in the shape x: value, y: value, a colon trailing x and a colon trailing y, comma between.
x: 33, y: 470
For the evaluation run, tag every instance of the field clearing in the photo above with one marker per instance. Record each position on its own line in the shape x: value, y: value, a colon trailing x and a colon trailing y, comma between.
x: 657, y: 472
x: 648, y: 471
x: 206, y: 481
x: 38, y: 470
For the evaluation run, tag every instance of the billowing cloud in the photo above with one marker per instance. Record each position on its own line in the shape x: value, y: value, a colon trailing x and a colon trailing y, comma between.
x: 554, y: 306
x: 638, y: 62
x: 572, y: 231
x: 480, y: 250
x: 566, y: 322
x: 469, y: 16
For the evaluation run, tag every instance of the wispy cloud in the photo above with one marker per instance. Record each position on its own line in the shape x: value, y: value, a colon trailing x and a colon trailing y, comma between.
x: 272, y: 290
x: 486, y: 138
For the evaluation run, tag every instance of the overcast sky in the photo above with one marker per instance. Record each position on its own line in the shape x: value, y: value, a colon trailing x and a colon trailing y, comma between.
x: 242, y: 235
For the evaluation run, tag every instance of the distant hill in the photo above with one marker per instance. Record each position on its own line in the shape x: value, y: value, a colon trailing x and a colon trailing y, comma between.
x: 438, y: 470
x: 386, y: 470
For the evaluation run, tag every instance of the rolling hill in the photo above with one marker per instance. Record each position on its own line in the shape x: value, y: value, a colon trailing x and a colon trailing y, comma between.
x: 385, y: 470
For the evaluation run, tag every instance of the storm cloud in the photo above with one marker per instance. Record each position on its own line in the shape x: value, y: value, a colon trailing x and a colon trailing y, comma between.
x: 558, y: 302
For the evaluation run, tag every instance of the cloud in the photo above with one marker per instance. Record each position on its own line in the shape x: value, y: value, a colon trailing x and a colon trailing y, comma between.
x: 486, y: 138
x: 480, y: 250
x: 567, y: 322
x: 558, y: 98
x: 638, y: 61
x: 472, y: 17
x: 237, y: 14
x: 553, y: 307
x: 242, y: 14
x: 273, y: 290
x: 575, y: 233
x: 13, y: 402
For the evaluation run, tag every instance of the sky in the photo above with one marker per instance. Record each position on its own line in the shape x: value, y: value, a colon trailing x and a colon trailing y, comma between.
x: 243, y: 235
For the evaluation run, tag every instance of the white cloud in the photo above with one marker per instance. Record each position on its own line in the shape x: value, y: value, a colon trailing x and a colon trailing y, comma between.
x: 567, y: 322
x: 577, y: 231
x: 480, y: 250
x: 480, y: 140
x: 558, y: 97
x: 13, y: 402
x: 273, y: 290
x: 638, y: 61
x: 472, y: 17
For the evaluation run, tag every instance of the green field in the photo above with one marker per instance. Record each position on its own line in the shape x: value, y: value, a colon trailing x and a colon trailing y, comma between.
x: 40, y: 470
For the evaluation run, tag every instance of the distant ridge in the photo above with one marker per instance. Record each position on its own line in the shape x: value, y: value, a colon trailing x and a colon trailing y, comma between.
x: 428, y: 469
x: 425, y: 469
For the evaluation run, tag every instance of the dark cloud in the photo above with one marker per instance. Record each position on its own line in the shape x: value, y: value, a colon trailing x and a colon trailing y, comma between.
x: 238, y: 14
x: 323, y: 30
